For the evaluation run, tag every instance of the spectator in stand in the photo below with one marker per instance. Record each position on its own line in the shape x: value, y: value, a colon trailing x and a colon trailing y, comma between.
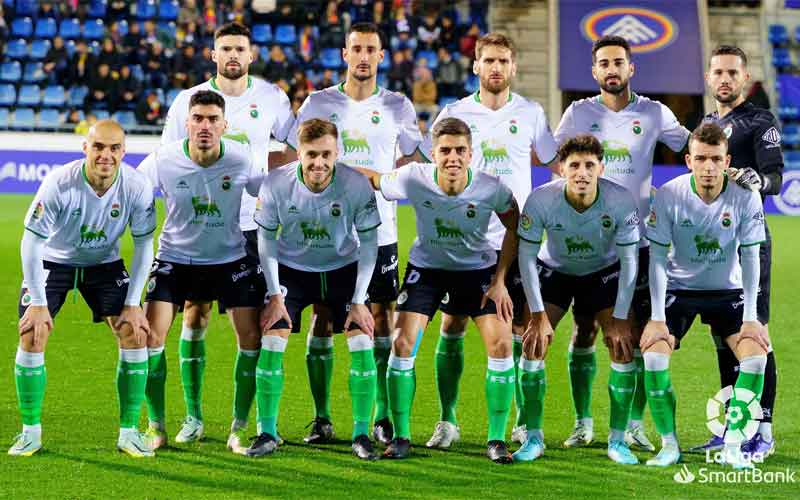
x: 132, y: 40
x: 156, y: 66
x: 239, y: 13
x: 422, y: 122
x: 278, y: 67
x: 327, y: 80
x: 381, y: 18
x: 297, y: 99
x: 207, y: 68
x: 81, y: 65
x: 56, y: 62
x: 448, y: 38
x: 118, y: 9
x: 210, y: 13
x: 424, y: 93
x: 400, y: 73
x: 300, y: 82
x: 332, y: 27
x: 467, y: 43
x: 189, y: 13
x: 149, y: 111
x: 187, y: 35
x: 115, y: 35
x: 182, y: 70
x: 150, y: 35
x: 3, y: 27
x: 258, y: 65
x: 47, y: 9
x: 101, y: 89
x: 109, y: 55
x: 126, y: 89
x: 73, y: 117
x: 449, y: 77
x: 306, y: 45
x: 402, y: 30
x: 428, y: 32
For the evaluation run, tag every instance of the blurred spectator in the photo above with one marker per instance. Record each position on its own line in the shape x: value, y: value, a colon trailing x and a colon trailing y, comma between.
x: 101, y: 88
x: 149, y: 110
x: 422, y: 121
x: 258, y: 65
x: 381, y: 18
x: 73, y: 117
x: 132, y: 39
x: 327, y: 80
x: 360, y: 10
x: 81, y: 65
x: 3, y: 27
x: 448, y: 75
x: 150, y: 34
x: 402, y: 30
x: 115, y: 35
x: 332, y: 30
x: 424, y: 93
x: 182, y: 69
x: 306, y: 45
x: 47, y: 9
x: 209, y: 13
x: 467, y: 43
x: 428, y: 32
x: 278, y: 67
x: 156, y: 66
x: 56, y: 61
x: 400, y: 73
x: 448, y: 38
x: 758, y: 96
x: 187, y: 34
x: 109, y: 55
x: 189, y: 12
x: 207, y: 67
x: 118, y: 9
x: 239, y: 13
x: 298, y: 97
x: 126, y: 89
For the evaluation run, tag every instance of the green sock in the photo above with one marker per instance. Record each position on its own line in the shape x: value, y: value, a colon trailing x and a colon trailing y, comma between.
x: 449, y: 366
x: 518, y: 396
x: 640, y: 396
x: 319, y: 361
x: 533, y: 385
x: 193, y: 364
x: 31, y: 378
x: 660, y: 396
x: 500, y: 382
x: 131, y: 382
x: 383, y: 348
x: 269, y: 382
x: 156, y: 382
x: 750, y: 380
x: 582, y: 369
x: 401, y: 382
x: 621, y: 386
x: 244, y: 383
x: 362, y: 381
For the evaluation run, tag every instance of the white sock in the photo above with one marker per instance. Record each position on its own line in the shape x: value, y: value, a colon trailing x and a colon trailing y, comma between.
x: 536, y: 433
x: 615, y: 435
x: 765, y: 428
x: 669, y: 439
x: 127, y: 431
x: 634, y: 424
x: 587, y: 422
x: 35, y: 430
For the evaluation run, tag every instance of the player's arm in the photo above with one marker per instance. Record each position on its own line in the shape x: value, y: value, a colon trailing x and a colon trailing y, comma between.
x: 373, y: 176
x: 544, y: 148
x: 277, y: 159
x: 282, y: 127
x: 366, y: 220
x: 497, y: 292
x: 268, y: 220
x: 627, y: 242
x: 409, y: 137
x: 751, y: 235
x: 175, y: 123
x: 769, y: 157
x: 37, y: 316
x: 659, y: 232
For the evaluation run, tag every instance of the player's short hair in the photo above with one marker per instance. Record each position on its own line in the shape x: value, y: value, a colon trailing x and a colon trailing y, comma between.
x: 315, y: 128
x: 709, y: 133
x: 610, y: 41
x: 205, y: 98
x: 451, y: 126
x: 729, y: 50
x: 580, y: 144
x: 495, y: 38
x: 365, y: 28
x: 232, y: 28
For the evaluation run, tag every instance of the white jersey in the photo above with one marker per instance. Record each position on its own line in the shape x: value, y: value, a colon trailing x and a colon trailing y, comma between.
x: 202, y: 222
x: 369, y: 133
x: 502, y: 142
x: 317, y: 230
x: 452, y: 231
x: 83, y: 229
x: 580, y: 243
x: 705, y: 238
x: 262, y: 110
x: 629, y: 139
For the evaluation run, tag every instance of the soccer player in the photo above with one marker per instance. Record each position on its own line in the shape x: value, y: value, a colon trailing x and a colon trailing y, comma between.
x: 201, y: 258
x: 507, y: 131
x: 254, y: 110
x: 589, y: 260
x: 698, y: 223
x: 628, y: 126
x: 309, y: 213
x: 453, y: 267
x: 373, y: 122
x: 754, y: 143
x: 71, y: 242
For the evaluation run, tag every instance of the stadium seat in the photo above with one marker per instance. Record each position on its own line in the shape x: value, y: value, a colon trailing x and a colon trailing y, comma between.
x: 29, y: 95
x: 472, y: 83
x: 97, y: 9
x: 26, y: 7
x: 331, y: 58
x: 383, y: 80
x: 788, y: 112
x: 171, y: 95
x: 94, y: 29
x: 791, y: 134
x: 45, y: 28
x: 168, y: 10
x: 54, y: 96
x: 444, y: 101
x: 262, y: 33
x: 125, y: 118
x: 94, y: 47
x: 146, y: 9
x: 777, y: 34
x: 8, y: 95
x: 168, y: 26
x: 69, y: 29
x: 430, y: 56
x: 386, y: 64
x: 17, y: 49
x: 22, y: 27
x: 286, y: 34
x: 791, y: 160
x: 5, y: 117
x: 10, y: 71
x: 33, y: 73
x: 39, y: 49
x: 49, y: 118
x: 24, y: 119
x: 781, y: 58
x: 291, y: 55
x: 123, y: 27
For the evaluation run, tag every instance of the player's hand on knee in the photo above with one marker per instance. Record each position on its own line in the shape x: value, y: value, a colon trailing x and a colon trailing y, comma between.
x: 537, y: 336
x: 36, y: 318
x: 361, y: 316
x: 274, y: 312
x: 134, y: 316
x: 619, y: 340
x: 654, y: 332
x: 498, y: 293
x: 755, y: 331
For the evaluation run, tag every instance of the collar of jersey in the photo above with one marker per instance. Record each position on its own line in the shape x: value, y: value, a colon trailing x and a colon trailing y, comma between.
x: 186, y: 150
x: 300, y: 176
x: 341, y: 89
x: 694, y: 186
x: 478, y: 96
x: 213, y: 82
x: 436, y: 178
x: 630, y: 101
x: 596, y: 198
x: 86, y: 177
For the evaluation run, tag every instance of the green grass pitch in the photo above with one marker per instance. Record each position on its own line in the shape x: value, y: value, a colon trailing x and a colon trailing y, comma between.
x: 79, y: 458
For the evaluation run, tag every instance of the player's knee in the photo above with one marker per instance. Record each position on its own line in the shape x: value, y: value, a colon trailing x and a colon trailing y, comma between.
x: 584, y: 333
x: 660, y: 347
x: 381, y: 317
x: 749, y: 347
x: 27, y: 344
x: 156, y: 337
x: 500, y: 347
x: 403, y: 344
x: 196, y: 316
x: 453, y: 324
x: 127, y: 338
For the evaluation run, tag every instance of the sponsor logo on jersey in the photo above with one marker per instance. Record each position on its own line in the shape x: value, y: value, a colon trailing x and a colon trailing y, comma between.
x: 525, y: 221
x: 594, y: 128
x: 204, y: 206
x: 333, y: 118
x: 89, y: 235
x: 577, y: 245
x: 646, y: 30
x: 493, y: 152
x: 637, y: 127
x: 76, y: 213
x: 447, y: 229
x: 354, y: 142
x: 376, y: 117
x: 314, y: 231
x: 115, y: 210
x: 687, y: 223
x: 726, y: 219
x: 336, y: 209
x: 606, y: 221
x: 614, y: 151
x: 182, y: 185
x: 706, y: 245
x: 38, y: 211
x: 633, y: 219
x: 427, y: 204
x: 292, y: 210
x: 772, y: 137
x: 512, y: 126
x: 226, y: 182
x: 471, y: 211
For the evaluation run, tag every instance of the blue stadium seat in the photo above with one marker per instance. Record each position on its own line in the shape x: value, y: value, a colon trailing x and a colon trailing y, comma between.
x: 94, y: 47
x: 22, y: 27
x: 146, y: 9
x: 168, y: 26
x: 97, y: 9
x: 70, y: 29
x: 76, y: 96
x: 54, y: 96
x: 168, y: 10
x: 286, y: 34
x: 8, y: 95
x: 791, y: 160
x: 10, y: 71
x: 100, y: 114
x: 383, y: 80
x: 444, y: 101
x: 331, y: 58
x: 430, y: 56
x: 781, y: 58
x: 24, y: 119
x: 45, y: 28
x: 472, y: 84
x: 777, y: 34
x: 123, y: 27
x: 125, y: 118
x: 17, y: 49
x: 5, y: 118
x: 33, y: 73
x: 49, y: 118
x: 94, y: 29
x: 29, y: 95
x: 137, y: 72
x: 39, y: 49
x: 291, y: 55
x: 262, y: 33
x: 788, y: 112
x: 791, y: 134
x: 26, y: 7
x: 171, y: 95
x: 386, y: 65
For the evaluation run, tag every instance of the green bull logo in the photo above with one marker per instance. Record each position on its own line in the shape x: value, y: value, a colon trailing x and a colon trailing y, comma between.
x: 445, y: 230
x: 577, y: 245
x: 354, y: 144
x: 706, y: 246
x: 205, y: 207
x: 491, y: 154
x: 90, y: 236
x: 615, y: 151
x: 314, y: 231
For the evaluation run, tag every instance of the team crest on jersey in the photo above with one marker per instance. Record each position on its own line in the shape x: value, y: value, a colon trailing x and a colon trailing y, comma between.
x: 226, y: 182
x: 493, y: 152
x: 637, y: 127
x: 471, y: 211
x: 525, y: 221
x: 333, y: 118
x: 254, y: 110
x: 354, y: 142
x: 38, y: 211
x: 726, y: 219
x: 606, y: 221
x: 376, y: 117
x: 115, y: 210
x: 513, y: 126
x: 336, y: 209
x: 728, y: 131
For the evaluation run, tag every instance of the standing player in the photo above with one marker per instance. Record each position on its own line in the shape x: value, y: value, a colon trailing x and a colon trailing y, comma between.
x: 706, y: 220
x: 254, y: 110
x: 754, y: 144
x: 309, y: 213
x: 201, y: 258
x: 373, y: 122
x: 628, y: 126
x: 588, y: 260
x: 507, y: 131
x: 73, y: 229
x: 452, y: 257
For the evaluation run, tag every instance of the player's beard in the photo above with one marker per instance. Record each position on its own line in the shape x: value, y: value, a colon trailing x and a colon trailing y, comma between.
x: 495, y: 87
x: 617, y: 89
x: 233, y: 73
x: 731, y: 97
x: 362, y: 77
